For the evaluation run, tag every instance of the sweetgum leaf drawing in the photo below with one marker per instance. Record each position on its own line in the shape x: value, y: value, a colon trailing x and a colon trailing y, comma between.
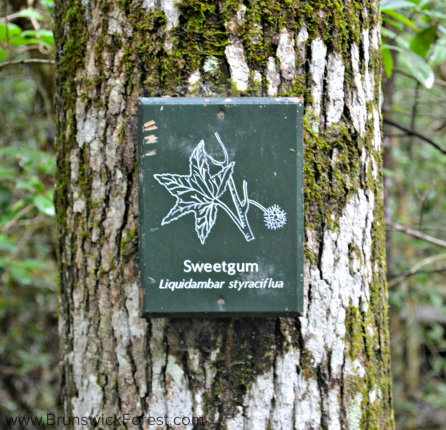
x: 197, y: 192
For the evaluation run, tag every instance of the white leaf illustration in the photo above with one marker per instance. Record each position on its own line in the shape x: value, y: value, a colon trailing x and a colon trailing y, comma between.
x: 199, y: 193
x: 196, y: 192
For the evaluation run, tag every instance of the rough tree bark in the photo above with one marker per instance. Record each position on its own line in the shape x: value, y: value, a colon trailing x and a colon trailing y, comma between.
x: 328, y: 368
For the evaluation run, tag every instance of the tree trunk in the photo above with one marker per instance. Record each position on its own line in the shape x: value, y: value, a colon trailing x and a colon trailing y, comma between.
x: 328, y: 368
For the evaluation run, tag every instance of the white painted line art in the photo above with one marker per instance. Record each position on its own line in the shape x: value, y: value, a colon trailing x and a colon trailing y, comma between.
x: 200, y: 193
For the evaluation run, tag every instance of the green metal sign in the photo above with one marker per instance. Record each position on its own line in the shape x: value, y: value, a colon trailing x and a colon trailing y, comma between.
x: 221, y: 224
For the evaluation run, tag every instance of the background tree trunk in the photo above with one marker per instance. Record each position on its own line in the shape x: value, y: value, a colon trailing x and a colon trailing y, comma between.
x: 327, y: 369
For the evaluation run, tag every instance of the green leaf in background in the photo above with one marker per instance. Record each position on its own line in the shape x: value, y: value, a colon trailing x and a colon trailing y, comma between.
x: 31, y: 37
x: 32, y: 263
x: 47, y: 165
x: 6, y: 197
x: 3, y: 54
x: 422, y: 41
x: 442, y: 30
x: 388, y: 33
x: 19, y: 274
x: 6, y: 173
x: 394, y: 23
x: 7, y: 244
x: 46, y: 35
x: 418, y: 67
x: 422, y: 3
x: 436, y: 298
x: 17, y: 37
x: 401, y: 18
x: 388, y: 172
x: 388, y: 60
x: 31, y: 13
x: 8, y: 150
x: 10, y: 30
x: 19, y: 204
x: 23, y: 41
x: 29, y: 33
x: 397, y: 108
x: 438, y: 55
x: 387, y: 57
x: 32, y: 185
x: 395, y: 4
x: 44, y: 204
x: 436, y: 333
x: 47, y: 4
x: 23, y: 270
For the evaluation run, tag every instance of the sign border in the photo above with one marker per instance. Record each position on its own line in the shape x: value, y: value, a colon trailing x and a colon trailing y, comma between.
x: 300, y: 234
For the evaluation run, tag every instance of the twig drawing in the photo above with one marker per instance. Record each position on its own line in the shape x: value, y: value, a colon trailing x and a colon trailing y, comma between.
x: 200, y: 193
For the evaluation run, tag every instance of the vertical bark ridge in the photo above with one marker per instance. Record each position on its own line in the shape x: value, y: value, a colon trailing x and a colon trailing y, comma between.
x: 328, y: 368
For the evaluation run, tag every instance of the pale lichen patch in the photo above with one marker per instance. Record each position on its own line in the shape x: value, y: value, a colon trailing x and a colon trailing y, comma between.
x: 234, y: 52
x: 287, y: 56
x: 317, y: 71
x: 272, y: 77
x: 258, y: 402
x: 335, y: 88
x: 356, y: 99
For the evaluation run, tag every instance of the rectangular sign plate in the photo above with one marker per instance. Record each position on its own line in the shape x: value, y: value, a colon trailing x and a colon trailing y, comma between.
x: 221, y: 217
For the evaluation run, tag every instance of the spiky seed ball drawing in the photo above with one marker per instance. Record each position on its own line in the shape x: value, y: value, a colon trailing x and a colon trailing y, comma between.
x: 274, y: 217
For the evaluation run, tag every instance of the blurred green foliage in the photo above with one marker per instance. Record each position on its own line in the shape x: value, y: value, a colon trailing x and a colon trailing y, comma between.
x: 29, y: 376
x: 414, y: 55
x: 417, y: 30
x: 419, y: 202
x: 16, y: 40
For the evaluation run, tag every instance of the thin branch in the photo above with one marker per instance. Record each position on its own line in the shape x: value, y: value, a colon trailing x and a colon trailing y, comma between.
x: 436, y: 81
x: 417, y: 234
x: 401, y: 112
x: 39, y: 220
x: 428, y: 315
x: 440, y: 83
x: 427, y: 227
x: 409, y: 91
x: 17, y: 216
x: 428, y: 271
x: 27, y: 48
x: 28, y: 61
x: 33, y: 19
x: 416, y: 134
x: 416, y: 268
x: 8, y: 43
x: 441, y: 127
x: 423, y: 200
x: 23, y: 241
x: 414, y: 108
x: 397, y: 135
x: 10, y: 370
x: 421, y: 272
x: 18, y: 14
x: 11, y: 17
